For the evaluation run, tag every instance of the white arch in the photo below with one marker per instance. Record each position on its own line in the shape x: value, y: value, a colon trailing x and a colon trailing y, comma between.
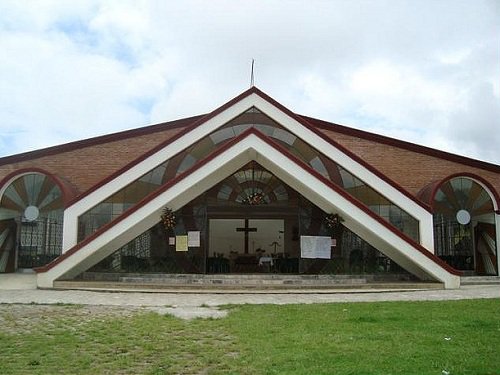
x: 495, y: 217
x: 476, y: 180
x: 412, y: 207
x: 250, y: 148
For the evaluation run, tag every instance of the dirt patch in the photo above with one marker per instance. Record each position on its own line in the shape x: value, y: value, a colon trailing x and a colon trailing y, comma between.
x: 190, y: 312
x: 24, y: 319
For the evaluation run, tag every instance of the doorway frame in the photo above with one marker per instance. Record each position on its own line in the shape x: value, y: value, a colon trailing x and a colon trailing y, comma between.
x: 287, y: 214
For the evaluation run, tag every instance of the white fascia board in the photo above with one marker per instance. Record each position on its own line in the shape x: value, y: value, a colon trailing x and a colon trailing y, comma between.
x: 497, y: 239
x: 355, y: 218
x: 490, y: 193
x: 159, y: 157
x: 72, y: 213
x: 249, y: 148
x: 360, y: 171
x: 339, y: 157
x: 148, y: 215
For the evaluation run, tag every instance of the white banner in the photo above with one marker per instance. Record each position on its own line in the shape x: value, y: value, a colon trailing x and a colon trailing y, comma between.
x: 194, y: 239
x: 315, y: 247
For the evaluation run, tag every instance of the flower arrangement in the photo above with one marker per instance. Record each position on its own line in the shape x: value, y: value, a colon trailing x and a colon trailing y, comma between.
x: 333, y: 221
x: 168, y: 218
x: 254, y: 199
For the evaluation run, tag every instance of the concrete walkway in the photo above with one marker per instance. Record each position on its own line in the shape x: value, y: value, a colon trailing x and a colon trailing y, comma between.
x: 21, y: 289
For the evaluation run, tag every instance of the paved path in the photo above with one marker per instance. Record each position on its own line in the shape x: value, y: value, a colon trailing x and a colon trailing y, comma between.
x: 20, y: 288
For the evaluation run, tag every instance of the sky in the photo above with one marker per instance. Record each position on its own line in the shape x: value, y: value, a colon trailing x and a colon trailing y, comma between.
x: 425, y: 71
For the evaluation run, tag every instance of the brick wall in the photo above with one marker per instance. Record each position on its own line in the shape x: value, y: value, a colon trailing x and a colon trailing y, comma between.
x: 84, y: 167
x: 412, y: 170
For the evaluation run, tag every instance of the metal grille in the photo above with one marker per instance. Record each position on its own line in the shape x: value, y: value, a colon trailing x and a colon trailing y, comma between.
x: 453, y: 243
x: 40, y: 242
x: 137, y: 256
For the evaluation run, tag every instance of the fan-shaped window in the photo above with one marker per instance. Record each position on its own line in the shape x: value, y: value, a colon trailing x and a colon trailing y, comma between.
x: 252, y: 185
x: 464, y: 226
x: 31, y: 215
x: 127, y: 197
x: 224, y: 192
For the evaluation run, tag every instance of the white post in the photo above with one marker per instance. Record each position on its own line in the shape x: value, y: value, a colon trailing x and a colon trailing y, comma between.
x: 497, y: 240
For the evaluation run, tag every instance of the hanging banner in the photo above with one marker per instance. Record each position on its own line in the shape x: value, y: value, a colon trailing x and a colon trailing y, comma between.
x: 194, y: 239
x: 314, y: 247
x: 181, y: 243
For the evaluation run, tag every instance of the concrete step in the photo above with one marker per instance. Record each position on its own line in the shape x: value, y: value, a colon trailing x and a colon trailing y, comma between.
x: 245, y: 280
x: 480, y: 280
x: 251, y: 278
x: 233, y: 289
x: 245, y: 283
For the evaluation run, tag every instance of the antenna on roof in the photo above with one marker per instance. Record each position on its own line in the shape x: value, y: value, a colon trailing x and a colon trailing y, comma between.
x: 251, y: 75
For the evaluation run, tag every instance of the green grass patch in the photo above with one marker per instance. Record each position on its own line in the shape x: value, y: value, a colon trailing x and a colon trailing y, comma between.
x: 454, y: 337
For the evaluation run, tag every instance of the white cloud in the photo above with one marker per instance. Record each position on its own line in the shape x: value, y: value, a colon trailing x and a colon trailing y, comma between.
x: 423, y: 71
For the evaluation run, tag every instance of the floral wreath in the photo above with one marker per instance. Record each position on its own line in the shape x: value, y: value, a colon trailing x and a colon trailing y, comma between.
x: 168, y: 218
x: 254, y: 199
x: 333, y: 221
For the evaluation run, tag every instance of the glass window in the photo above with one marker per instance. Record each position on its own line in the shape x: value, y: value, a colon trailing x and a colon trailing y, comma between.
x: 464, y: 215
x: 318, y: 166
x: 31, y: 220
x: 225, y: 192
x: 254, y: 118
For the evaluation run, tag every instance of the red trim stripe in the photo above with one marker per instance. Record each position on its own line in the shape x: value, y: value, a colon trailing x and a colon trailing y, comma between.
x: 280, y: 107
x: 233, y: 142
x: 71, y: 146
x: 189, y: 127
x: 403, y: 144
x: 68, y: 191
x: 434, y: 187
x: 349, y: 153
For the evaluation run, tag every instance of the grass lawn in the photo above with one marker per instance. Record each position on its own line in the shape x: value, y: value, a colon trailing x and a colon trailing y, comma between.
x: 453, y: 337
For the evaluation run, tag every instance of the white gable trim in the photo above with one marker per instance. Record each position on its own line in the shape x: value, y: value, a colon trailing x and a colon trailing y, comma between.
x: 359, y: 170
x: 72, y: 213
x: 223, y: 165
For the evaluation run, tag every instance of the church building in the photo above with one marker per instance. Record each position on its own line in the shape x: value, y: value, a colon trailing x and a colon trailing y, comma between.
x: 251, y: 187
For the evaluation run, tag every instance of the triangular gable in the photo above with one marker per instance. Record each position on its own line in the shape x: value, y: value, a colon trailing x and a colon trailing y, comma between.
x: 203, y: 127
x: 250, y: 146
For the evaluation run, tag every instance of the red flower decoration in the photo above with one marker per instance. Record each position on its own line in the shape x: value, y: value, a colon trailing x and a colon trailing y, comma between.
x: 333, y: 221
x: 168, y: 218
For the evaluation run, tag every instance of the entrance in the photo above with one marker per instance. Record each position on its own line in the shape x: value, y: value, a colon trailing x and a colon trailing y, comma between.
x: 245, y: 245
x: 250, y: 222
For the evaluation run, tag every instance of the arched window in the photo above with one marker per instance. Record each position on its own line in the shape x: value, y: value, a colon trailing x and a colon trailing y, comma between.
x: 464, y: 226
x: 252, y: 185
x: 31, y: 215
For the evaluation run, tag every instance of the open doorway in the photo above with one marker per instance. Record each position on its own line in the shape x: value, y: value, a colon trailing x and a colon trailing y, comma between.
x: 245, y: 245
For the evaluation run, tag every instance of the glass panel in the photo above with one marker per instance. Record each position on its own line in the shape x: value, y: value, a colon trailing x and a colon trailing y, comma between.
x: 465, y: 245
x: 188, y: 162
x: 222, y: 135
x: 284, y: 136
x: 267, y: 240
x: 318, y: 166
x: 31, y: 219
x: 264, y: 129
x: 182, y: 162
x: 238, y: 129
x: 281, y: 193
x: 224, y: 192
x: 225, y: 238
